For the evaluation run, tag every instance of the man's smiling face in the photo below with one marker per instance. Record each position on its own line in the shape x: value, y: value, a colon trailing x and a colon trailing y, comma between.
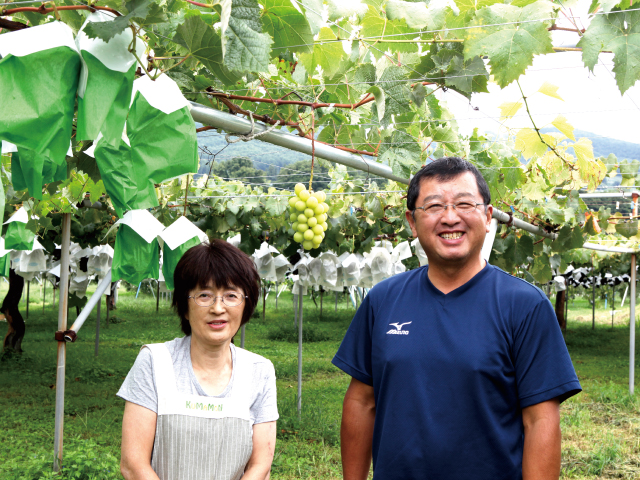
x: 451, y: 238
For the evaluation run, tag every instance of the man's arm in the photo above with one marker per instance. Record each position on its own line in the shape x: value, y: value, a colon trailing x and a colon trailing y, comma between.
x: 541, y: 456
x: 356, y: 430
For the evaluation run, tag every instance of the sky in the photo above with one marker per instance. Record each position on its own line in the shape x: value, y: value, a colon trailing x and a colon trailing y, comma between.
x: 592, y: 101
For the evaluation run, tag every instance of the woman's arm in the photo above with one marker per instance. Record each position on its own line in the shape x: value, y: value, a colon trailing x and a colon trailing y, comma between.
x: 138, y: 434
x: 264, y: 446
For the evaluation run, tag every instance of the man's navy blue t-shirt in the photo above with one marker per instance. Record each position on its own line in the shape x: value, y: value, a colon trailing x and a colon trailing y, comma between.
x: 451, y: 373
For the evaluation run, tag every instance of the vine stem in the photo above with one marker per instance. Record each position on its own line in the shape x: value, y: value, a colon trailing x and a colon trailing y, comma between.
x: 132, y: 49
x: 235, y: 109
x: 42, y: 10
x: 174, y: 66
x: 313, y: 144
x: 204, y: 5
x: 526, y: 104
x: 366, y: 99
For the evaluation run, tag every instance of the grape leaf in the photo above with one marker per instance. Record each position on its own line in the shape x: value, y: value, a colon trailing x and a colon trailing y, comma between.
x: 562, y: 124
x: 327, y: 55
x: 246, y: 48
x: 541, y: 270
x: 107, y: 30
x: 510, y: 47
x: 473, y: 5
x: 446, y: 135
x: 313, y: 12
x: 608, y: 5
x: 392, y: 81
x: 619, y: 33
x: 365, y: 73
x: 373, y: 25
x: 568, y: 238
x: 416, y: 14
x: 288, y: 27
x: 629, y: 171
x: 513, y: 177
x: 418, y: 94
x: 509, y: 109
x: 627, y: 229
x: 528, y: 142
x: 550, y: 90
x: 346, y: 8
x: 401, y: 153
x: 205, y: 45
x: 535, y: 188
x: 378, y: 94
x: 611, y: 162
x: 467, y: 76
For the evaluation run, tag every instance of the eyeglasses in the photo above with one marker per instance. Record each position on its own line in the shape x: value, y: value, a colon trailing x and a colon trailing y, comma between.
x: 229, y: 299
x: 465, y: 208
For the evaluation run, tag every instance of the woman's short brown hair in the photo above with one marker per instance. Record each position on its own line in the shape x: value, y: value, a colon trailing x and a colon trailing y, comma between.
x: 218, y: 262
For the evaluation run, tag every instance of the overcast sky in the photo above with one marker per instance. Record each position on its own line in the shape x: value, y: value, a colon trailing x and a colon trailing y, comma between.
x: 592, y: 101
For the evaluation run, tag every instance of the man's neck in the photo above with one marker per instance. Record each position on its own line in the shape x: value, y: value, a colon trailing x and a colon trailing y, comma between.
x: 448, y: 277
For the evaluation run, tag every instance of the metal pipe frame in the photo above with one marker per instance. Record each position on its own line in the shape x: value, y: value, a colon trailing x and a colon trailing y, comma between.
x: 88, y: 308
x: 235, y: 124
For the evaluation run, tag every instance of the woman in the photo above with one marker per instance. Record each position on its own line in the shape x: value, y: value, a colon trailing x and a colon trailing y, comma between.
x: 198, y: 407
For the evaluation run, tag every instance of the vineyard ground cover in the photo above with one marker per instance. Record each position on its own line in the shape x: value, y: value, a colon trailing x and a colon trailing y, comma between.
x: 601, y: 426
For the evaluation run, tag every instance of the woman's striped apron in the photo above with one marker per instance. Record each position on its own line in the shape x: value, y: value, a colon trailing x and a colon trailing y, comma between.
x: 200, y: 438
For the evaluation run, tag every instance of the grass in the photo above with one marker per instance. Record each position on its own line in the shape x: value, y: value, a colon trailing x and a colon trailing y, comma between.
x: 601, y: 426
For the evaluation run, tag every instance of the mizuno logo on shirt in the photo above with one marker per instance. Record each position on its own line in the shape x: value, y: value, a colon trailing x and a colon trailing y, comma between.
x: 398, y: 329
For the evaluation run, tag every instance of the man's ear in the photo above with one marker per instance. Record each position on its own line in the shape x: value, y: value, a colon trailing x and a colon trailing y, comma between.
x: 412, y: 222
x: 489, y: 217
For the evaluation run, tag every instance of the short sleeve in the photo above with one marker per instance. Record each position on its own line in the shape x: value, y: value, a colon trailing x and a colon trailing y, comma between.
x: 265, y: 406
x: 354, y: 355
x: 544, y: 370
x: 139, y: 387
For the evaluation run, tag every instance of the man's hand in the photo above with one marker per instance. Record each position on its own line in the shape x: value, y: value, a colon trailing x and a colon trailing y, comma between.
x: 356, y: 430
x: 541, y: 456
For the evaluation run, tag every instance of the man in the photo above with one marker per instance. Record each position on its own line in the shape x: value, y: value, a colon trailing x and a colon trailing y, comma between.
x: 458, y: 368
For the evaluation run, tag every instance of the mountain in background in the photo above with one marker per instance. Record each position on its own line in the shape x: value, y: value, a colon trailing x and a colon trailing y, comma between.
x: 262, y: 154
x: 271, y: 158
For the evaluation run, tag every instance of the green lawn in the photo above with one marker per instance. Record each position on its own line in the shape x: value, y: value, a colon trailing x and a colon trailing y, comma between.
x: 601, y: 426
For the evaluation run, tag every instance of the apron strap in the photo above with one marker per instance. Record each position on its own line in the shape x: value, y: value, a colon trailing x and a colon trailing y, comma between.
x: 243, y: 377
x: 162, y: 372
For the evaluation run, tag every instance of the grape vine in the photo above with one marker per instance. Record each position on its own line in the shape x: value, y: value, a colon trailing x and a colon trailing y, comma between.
x: 362, y: 76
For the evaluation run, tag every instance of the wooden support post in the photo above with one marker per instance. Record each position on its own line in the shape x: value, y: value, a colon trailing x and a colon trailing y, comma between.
x: 158, y: 297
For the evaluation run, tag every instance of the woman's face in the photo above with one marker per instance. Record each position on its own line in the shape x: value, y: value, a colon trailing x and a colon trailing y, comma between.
x: 217, y: 323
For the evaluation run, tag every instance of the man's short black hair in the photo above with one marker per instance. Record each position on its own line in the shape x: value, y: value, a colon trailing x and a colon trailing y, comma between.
x: 445, y: 169
x: 220, y: 263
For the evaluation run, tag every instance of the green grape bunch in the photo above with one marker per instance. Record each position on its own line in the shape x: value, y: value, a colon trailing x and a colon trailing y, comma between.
x: 308, y: 214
